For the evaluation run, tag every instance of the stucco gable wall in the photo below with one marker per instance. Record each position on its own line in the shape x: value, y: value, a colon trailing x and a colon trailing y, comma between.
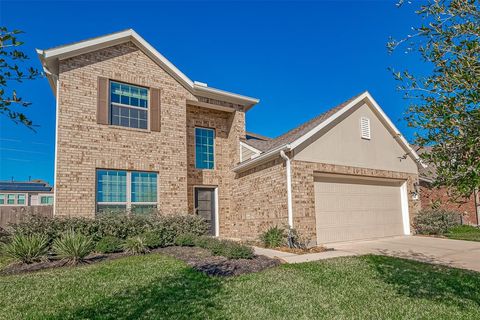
x: 341, y: 144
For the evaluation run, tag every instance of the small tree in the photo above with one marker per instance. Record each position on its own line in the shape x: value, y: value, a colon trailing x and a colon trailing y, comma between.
x: 445, y: 102
x: 11, y: 104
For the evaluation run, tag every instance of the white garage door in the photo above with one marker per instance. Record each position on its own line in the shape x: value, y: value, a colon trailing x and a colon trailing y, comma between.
x: 351, y: 209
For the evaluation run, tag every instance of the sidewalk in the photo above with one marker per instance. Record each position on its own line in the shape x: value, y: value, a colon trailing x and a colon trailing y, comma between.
x: 299, y: 258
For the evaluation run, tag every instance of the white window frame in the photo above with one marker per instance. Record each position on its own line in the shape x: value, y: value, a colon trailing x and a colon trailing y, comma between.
x: 195, y: 147
x: 127, y: 105
x: 128, y: 204
x: 365, y: 128
x: 40, y: 195
x: 15, y: 200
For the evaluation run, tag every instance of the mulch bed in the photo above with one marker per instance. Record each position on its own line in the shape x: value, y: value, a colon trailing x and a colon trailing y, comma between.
x: 202, y: 260
x: 197, y: 258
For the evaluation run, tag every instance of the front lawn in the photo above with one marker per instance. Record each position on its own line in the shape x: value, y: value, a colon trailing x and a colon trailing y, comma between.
x: 159, y: 287
x: 464, y: 232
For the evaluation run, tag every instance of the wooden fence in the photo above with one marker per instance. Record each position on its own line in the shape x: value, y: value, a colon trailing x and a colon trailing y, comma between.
x: 15, y: 214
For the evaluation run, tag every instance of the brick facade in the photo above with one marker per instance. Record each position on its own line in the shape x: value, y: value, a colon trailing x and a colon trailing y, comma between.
x: 260, y: 200
x: 84, y: 146
x: 440, y: 196
x: 229, y: 127
x: 249, y: 202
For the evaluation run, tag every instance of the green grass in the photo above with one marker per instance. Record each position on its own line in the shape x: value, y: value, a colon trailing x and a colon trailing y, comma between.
x: 464, y: 232
x: 159, y: 287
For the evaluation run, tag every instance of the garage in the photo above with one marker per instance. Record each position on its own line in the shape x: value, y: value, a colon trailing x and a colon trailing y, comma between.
x: 355, y: 208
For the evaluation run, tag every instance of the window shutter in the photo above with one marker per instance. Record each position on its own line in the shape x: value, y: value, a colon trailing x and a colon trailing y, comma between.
x: 365, y: 128
x: 154, y: 109
x: 102, y: 101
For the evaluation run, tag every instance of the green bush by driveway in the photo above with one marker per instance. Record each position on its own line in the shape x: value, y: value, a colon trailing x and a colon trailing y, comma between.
x: 159, y: 287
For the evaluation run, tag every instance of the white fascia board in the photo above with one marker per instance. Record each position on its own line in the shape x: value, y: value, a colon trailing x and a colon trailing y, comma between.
x: 397, y: 132
x: 228, y: 96
x: 261, y: 158
x: 365, y: 95
x: 86, y: 46
x: 50, y: 58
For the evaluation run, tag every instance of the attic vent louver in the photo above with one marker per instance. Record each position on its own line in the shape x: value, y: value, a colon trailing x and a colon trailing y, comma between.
x: 365, y: 128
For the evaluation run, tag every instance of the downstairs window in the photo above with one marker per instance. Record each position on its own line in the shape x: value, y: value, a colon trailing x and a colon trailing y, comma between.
x: 126, y: 191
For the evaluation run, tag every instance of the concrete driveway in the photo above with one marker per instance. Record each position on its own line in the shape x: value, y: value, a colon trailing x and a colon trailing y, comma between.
x: 454, y: 253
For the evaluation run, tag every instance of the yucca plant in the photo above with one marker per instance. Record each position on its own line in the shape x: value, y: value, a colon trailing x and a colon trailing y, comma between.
x: 26, y: 248
x: 135, y: 245
x: 73, y: 246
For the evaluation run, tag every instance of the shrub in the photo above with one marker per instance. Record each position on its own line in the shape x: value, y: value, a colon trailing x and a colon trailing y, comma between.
x: 227, y: 248
x: 119, y: 226
x: 153, y: 239
x: 296, y: 240
x: 273, y: 237
x: 234, y: 250
x: 135, y: 245
x: 4, y: 236
x: 26, y: 248
x: 109, y: 244
x: 73, y: 246
x: 435, y: 221
x: 185, y: 240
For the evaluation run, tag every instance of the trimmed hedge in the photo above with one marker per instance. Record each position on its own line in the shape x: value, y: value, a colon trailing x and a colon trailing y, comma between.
x: 119, y: 226
x: 436, y: 221
x: 109, y: 244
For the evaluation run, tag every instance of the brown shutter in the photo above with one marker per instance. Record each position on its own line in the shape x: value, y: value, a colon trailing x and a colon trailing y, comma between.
x: 102, y: 101
x: 154, y: 109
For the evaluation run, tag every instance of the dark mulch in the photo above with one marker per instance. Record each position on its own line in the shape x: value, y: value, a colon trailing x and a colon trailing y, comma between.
x: 202, y: 260
x: 18, y: 267
x: 198, y: 258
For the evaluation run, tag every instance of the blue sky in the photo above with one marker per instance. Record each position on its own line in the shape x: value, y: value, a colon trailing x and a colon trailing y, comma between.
x: 298, y: 58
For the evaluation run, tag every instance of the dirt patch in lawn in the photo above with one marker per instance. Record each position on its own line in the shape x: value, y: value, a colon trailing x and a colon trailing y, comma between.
x: 198, y: 258
x: 202, y: 260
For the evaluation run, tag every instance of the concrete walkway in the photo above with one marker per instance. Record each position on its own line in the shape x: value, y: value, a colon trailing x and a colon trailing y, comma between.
x: 454, y: 253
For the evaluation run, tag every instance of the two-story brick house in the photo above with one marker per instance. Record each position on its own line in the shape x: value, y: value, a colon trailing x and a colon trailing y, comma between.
x: 134, y: 133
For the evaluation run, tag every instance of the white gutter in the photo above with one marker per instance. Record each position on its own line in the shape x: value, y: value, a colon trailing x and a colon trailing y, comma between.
x: 289, y: 188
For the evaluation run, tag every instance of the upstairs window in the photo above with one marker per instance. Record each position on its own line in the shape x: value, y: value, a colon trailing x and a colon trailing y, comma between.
x: 365, y: 128
x: 204, y: 148
x: 128, y: 105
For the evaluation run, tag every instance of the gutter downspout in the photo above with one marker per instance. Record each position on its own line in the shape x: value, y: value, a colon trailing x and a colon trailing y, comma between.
x: 289, y: 188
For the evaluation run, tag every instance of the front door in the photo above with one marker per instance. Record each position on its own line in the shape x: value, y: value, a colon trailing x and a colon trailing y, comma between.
x: 205, y: 205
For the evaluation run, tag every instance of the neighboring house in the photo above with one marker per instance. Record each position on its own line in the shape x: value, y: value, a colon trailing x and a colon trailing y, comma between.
x: 135, y: 133
x: 442, y: 197
x: 29, y: 193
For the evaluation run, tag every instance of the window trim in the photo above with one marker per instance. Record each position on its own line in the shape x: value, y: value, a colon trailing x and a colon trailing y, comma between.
x: 41, y: 195
x: 195, y: 147
x: 15, y: 199
x: 126, y: 105
x: 128, y: 204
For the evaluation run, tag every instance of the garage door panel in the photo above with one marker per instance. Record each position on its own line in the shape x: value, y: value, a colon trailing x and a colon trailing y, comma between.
x: 347, y: 210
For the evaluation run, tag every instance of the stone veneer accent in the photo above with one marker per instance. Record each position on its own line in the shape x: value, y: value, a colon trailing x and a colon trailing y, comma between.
x: 303, y: 193
x: 83, y: 145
